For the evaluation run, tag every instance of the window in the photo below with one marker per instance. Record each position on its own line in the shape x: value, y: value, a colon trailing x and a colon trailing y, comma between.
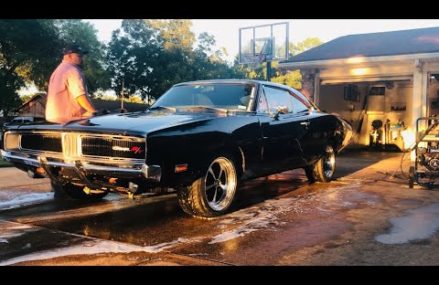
x: 377, y: 91
x: 262, y: 103
x: 280, y: 99
x: 298, y: 106
x: 302, y: 98
x: 230, y: 96
x: 351, y: 93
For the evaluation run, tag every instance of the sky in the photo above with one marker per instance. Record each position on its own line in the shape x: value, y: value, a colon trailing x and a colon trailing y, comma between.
x: 226, y: 32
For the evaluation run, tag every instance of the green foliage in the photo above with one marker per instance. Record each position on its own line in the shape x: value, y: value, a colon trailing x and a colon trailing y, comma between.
x: 294, y: 78
x: 31, y: 49
x: 174, y: 34
x: 28, y: 48
x: 290, y: 78
x: 133, y: 54
x: 27, y: 54
x: 306, y: 44
x: 84, y: 34
x: 146, y: 57
x: 9, y: 83
x: 149, y: 56
x: 25, y: 98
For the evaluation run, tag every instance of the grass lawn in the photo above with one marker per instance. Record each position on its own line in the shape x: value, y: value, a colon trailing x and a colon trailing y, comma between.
x: 4, y: 163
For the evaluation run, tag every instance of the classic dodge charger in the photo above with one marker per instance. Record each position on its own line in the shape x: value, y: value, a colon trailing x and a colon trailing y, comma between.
x: 200, y: 138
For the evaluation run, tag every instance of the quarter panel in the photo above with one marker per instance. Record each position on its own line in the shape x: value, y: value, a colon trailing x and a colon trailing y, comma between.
x: 196, y: 144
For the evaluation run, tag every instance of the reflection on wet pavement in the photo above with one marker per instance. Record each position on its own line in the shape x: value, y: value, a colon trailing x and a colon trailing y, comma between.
x: 272, y: 219
x: 418, y: 224
x: 13, y: 200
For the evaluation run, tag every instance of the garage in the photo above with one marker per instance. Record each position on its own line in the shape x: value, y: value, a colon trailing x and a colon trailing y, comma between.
x: 380, y: 82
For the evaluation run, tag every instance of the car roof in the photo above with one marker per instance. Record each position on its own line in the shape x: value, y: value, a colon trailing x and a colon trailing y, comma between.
x: 238, y: 81
x: 232, y: 81
x: 224, y: 81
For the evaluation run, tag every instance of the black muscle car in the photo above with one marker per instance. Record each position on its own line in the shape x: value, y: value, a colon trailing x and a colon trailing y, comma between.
x: 201, y: 138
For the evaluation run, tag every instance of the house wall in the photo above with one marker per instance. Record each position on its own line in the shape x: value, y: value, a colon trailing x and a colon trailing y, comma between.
x: 410, y: 91
x: 367, y: 72
x: 33, y: 109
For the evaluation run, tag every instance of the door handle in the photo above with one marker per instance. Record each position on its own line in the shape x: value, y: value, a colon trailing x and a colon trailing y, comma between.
x: 305, y: 124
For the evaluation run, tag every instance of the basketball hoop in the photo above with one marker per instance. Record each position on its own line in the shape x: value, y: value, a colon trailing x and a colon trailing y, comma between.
x: 263, y: 43
x: 261, y: 58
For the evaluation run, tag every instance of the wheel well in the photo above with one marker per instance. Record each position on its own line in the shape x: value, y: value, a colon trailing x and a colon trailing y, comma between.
x: 238, y: 156
x: 335, y: 146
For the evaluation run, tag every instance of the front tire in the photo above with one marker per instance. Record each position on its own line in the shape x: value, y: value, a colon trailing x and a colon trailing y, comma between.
x: 323, y: 170
x: 212, y: 194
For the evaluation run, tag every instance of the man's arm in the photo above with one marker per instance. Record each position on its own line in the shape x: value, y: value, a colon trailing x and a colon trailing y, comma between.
x: 76, y: 86
x: 85, y: 103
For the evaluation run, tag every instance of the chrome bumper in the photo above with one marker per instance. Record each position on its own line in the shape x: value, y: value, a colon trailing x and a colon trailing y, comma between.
x: 150, y: 172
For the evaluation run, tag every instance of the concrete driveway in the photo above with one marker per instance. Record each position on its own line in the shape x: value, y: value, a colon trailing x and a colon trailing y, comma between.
x: 367, y: 216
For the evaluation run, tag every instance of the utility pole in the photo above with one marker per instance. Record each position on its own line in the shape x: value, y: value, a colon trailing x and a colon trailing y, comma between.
x: 122, y: 92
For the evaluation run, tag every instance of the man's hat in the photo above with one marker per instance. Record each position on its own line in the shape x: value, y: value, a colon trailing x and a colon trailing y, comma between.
x: 74, y: 49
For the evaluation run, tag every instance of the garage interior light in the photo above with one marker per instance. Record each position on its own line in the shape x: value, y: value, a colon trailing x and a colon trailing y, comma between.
x: 360, y: 71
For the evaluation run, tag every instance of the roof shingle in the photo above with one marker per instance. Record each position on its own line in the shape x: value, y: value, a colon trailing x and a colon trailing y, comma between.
x: 414, y: 41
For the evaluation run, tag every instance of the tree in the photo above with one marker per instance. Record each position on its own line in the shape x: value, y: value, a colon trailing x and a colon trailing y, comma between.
x: 290, y: 78
x: 174, y: 34
x: 84, y: 34
x: 293, y: 78
x: 132, y: 57
x: 304, y: 45
x: 149, y: 56
x: 31, y: 49
x: 28, y: 53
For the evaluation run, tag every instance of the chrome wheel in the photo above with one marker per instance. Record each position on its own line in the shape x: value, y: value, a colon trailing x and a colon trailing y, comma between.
x: 220, y: 184
x: 329, y: 162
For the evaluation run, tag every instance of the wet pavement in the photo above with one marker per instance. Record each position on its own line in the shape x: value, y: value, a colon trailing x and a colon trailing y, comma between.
x: 366, y: 216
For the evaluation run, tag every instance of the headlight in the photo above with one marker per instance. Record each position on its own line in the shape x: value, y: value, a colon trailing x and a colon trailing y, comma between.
x: 12, y: 141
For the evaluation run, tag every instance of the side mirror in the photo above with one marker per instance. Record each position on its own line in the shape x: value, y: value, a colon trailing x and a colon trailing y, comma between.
x: 280, y: 110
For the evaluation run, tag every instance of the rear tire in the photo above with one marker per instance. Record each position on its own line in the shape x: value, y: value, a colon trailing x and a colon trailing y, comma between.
x: 212, y: 194
x: 68, y: 190
x: 323, y: 170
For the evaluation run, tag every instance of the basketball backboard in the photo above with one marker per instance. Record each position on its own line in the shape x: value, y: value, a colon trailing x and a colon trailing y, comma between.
x: 263, y: 43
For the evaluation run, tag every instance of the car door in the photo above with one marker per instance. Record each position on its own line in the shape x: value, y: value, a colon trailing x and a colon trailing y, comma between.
x: 315, y: 141
x: 282, y: 129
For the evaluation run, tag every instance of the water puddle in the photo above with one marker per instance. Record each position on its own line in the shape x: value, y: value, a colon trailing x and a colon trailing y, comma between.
x: 21, y: 200
x: 418, y: 224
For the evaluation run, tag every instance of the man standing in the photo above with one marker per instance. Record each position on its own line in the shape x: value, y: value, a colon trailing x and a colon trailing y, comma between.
x: 67, y: 98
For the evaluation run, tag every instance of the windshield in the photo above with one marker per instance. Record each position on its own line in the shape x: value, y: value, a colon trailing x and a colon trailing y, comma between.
x: 216, y: 95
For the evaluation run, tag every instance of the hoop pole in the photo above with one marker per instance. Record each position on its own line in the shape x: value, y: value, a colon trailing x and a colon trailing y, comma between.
x: 269, y: 70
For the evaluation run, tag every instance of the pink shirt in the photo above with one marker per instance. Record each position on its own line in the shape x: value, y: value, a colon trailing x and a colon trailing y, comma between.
x: 66, y: 84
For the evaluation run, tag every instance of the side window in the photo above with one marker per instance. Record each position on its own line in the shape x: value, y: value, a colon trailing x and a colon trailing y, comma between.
x: 298, y: 106
x: 262, y: 103
x: 278, y: 99
x: 305, y: 100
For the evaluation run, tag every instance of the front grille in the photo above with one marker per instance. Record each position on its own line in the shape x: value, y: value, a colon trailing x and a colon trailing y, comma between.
x: 110, y: 147
x: 41, y: 142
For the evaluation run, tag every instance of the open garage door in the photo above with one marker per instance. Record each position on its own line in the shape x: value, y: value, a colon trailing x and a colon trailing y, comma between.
x: 376, y: 110
x: 433, y: 94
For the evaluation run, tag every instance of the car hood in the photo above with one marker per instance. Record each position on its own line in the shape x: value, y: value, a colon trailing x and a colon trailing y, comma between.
x: 138, y: 123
